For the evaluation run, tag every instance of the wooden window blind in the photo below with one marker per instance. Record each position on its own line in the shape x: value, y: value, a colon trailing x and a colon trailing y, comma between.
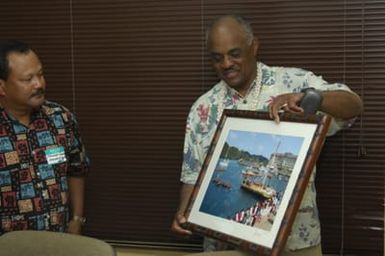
x: 130, y: 70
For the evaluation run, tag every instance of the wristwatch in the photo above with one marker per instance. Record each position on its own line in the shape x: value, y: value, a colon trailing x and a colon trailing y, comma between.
x: 311, y: 101
x: 80, y: 219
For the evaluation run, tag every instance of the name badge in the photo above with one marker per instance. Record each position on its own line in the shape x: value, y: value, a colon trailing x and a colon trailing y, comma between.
x: 55, y: 155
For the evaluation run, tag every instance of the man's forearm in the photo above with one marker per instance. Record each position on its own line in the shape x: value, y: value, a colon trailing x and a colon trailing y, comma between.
x: 76, y: 187
x: 341, y: 104
x: 185, y: 194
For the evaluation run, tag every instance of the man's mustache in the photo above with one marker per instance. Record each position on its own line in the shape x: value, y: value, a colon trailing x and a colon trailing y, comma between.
x: 38, y: 92
x: 228, y: 70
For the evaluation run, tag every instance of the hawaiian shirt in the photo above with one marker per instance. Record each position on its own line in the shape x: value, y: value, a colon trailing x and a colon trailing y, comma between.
x: 203, y: 119
x: 35, y: 163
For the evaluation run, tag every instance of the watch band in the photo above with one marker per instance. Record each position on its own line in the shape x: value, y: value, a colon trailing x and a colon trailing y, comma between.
x: 80, y: 219
x: 311, y: 101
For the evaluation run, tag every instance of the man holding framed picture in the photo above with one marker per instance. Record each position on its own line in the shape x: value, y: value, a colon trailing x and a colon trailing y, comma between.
x: 247, y: 84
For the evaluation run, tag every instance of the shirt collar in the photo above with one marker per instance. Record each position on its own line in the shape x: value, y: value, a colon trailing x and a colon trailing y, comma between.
x: 234, y: 94
x: 5, y: 117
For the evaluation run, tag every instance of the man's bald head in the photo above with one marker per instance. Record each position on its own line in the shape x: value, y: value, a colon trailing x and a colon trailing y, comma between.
x: 233, y: 51
x: 230, y: 21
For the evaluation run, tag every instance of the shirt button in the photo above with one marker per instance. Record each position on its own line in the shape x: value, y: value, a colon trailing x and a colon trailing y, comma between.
x: 244, y: 101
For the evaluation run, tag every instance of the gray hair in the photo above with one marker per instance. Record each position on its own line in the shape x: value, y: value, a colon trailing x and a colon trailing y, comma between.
x: 241, y: 21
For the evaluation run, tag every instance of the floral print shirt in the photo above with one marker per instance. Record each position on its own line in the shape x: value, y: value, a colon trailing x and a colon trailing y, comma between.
x: 35, y: 163
x: 202, y: 123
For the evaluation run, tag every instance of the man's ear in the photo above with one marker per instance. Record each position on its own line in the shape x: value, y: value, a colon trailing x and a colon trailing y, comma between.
x: 2, y: 87
x: 255, y: 45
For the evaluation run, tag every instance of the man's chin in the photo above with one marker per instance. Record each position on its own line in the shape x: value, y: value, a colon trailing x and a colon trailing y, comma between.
x: 37, y: 102
x: 232, y: 83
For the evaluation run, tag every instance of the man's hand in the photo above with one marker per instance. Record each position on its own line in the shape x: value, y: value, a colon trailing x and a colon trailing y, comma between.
x: 339, y: 104
x: 177, y: 225
x: 180, y: 219
x: 74, y: 227
x: 288, y: 102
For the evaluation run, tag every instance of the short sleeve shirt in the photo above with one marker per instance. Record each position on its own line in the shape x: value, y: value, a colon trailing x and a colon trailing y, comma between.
x: 35, y: 163
x: 204, y: 117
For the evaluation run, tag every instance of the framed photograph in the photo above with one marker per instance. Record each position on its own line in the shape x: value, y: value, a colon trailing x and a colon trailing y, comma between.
x: 254, y: 177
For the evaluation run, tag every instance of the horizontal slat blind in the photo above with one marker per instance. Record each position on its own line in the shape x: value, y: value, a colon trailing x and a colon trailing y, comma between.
x: 45, y: 27
x: 138, y: 67
x: 131, y: 70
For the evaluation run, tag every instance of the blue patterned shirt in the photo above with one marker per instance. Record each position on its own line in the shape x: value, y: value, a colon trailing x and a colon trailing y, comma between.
x: 35, y: 163
x: 203, y: 119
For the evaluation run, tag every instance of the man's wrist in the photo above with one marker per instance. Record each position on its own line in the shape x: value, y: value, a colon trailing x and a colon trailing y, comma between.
x: 80, y: 219
x: 311, y: 90
x: 311, y: 101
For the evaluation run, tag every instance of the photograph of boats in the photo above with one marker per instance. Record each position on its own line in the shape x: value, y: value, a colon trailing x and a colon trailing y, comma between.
x: 250, y: 177
x: 253, y: 177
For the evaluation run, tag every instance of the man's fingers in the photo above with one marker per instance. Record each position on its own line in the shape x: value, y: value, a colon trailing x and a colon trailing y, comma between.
x: 275, y: 108
x: 178, y: 226
x: 284, y: 103
x: 293, y: 107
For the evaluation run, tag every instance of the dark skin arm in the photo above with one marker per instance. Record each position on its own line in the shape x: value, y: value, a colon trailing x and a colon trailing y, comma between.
x: 76, y: 189
x: 179, y: 218
x: 339, y: 104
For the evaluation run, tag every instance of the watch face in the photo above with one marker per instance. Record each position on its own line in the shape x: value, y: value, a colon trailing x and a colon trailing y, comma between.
x: 311, y: 101
x: 80, y: 219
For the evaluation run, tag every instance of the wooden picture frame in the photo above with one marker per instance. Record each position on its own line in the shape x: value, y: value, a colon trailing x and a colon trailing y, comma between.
x: 254, y: 177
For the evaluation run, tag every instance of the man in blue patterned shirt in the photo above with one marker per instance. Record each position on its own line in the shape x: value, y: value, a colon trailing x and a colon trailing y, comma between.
x: 42, y: 159
x: 248, y: 84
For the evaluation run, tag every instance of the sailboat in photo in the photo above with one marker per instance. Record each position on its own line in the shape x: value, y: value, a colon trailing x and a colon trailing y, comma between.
x: 272, y: 165
x: 261, y: 187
